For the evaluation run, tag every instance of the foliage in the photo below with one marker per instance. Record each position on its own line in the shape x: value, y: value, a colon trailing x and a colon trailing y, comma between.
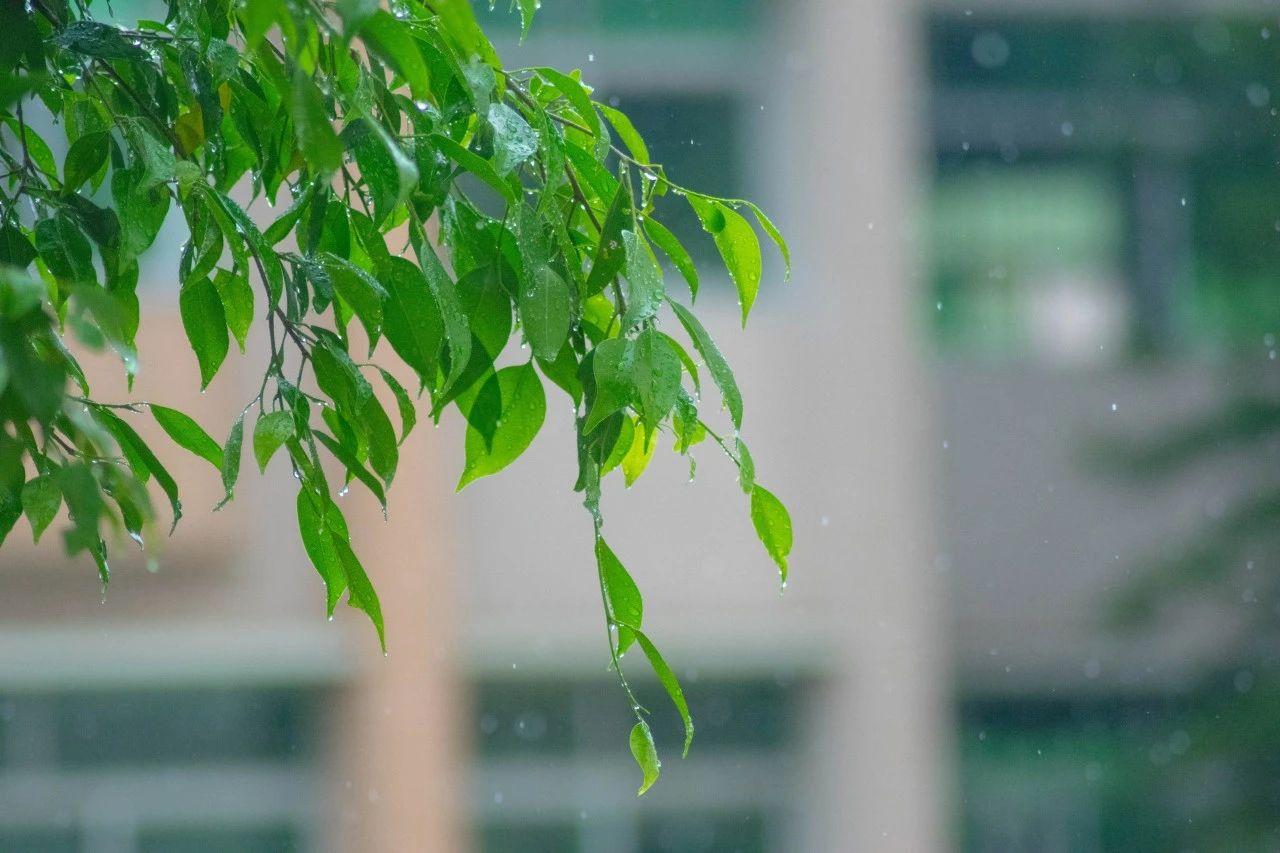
x: 368, y: 129
x: 1223, y: 571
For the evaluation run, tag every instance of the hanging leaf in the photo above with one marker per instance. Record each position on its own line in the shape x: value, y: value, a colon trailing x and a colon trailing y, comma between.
x: 545, y: 312
x: 188, y: 434
x: 206, y: 325
x: 773, y: 526
x: 522, y: 409
x: 645, y: 754
x: 720, y: 371
x: 269, y: 434
x: 738, y: 245
x: 41, y: 499
x: 316, y: 139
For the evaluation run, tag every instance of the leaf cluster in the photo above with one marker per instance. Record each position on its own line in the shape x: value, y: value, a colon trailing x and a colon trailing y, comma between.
x: 351, y: 177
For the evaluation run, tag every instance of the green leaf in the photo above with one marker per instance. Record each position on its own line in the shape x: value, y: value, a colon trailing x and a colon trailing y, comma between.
x: 205, y: 323
x: 626, y: 132
x: 384, y: 454
x: 686, y: 360
x: 353, y: 466
x: 488, y: 308
x: 142, y: 210
x: 545, y: 312
x: 774, y: 234
x: 101, y: 41
x: 389, y: 39
x: 390, y: 173
x: 359, y: 290
x: 715, y: 362
x: 522, y: 409
x: 318, y: 143
x: 645, y: 754
x: 621, y: 595
x: 457, y: 331
x: 408, y: 414
x: 674, y: 250
x: 318, y: 542
x: 773, y: 526
x: 84, y: 158
x: 655, y: 377
x: 269, y: 434
x: 231, y: 460
x: 64, y: 249
x: 611, y: 370
x: 577, y: 96
x: 15, y: 249
x: 746, y: 466
x: 256, y: 18
x: 239, y: 229
x: 611, y: 253
x: 139, y: 454
x: 645, y: 289
x: 738, y: 245
x: 514, y: 141
x: 41, y: 499
x: 475, y: 164
x: 188, y: 434
x: 626, y: 437
x: 671, y: 684
x: 527, y: 10
x: 154, y: 160
x: 412, y: 322
x: 643, y: 444
x: 361, y: 594
x: 236, y: 296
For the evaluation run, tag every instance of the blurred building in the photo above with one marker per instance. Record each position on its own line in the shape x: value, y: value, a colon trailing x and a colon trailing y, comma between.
x: 1024, y: 231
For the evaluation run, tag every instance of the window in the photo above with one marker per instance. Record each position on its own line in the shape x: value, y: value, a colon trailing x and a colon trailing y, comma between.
x: 548, y: 756
x: 1175, y: 115
x: 158, y: 770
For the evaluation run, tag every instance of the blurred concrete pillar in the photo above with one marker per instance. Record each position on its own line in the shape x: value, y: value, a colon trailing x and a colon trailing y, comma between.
x: 878, y: 744
x: 401, y: 779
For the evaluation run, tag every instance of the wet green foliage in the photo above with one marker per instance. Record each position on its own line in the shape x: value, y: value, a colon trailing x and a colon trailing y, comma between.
x: 351, y: 177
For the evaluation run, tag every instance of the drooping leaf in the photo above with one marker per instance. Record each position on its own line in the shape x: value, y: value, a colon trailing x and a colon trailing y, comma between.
x: 655, y: 377
x: 139, y: 454
x: 84, y: 159
x: 675, y: 250
x: 231, y: 460
x: 316, y: 139
x: 645, y: 754
x: 270, y: 433
x: 544, y: 312
x: 514, y: 141
x: 237, y: 303
x: 41, y: 499
x: 522, y: 409
x: 669, y: 683
x: 773, y: 526
x: 391, y: 41
x: 636, y: 459
x: 715, y: 362
x: 412, y: 322
x: 188, y: 434
x: 390, y: 173
x: 738, y: 245
x: 622, y: 596
x: 205, y: 323
x: 613, y: 379
x: 645, y: 288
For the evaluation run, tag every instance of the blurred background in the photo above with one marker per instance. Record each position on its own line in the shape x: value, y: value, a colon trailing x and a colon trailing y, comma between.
x: 1021, y: 397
